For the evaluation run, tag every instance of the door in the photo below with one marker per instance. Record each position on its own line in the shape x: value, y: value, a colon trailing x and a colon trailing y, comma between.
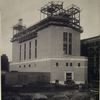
x: 68, y: 76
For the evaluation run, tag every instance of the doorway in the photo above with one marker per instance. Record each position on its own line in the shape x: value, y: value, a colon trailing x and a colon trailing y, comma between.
x: 68, y: 76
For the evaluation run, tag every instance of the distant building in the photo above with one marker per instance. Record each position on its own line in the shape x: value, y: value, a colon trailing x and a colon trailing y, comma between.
x: 52, y: 45
x: 4, y: 63
x: 4, y: 68
x: 0, y: 36
x: 91, y: 48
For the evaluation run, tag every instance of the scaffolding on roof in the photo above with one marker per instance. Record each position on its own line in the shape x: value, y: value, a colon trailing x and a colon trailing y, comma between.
x: 72, y: 13
x: 52, y: 8
x: 18, y: 27
x: 56, y: 15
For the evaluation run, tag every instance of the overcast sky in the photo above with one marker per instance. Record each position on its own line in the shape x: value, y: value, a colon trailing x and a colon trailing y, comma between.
x: 12, y: 10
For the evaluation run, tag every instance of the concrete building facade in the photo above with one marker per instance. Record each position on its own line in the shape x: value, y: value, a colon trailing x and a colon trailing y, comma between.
x: 50, y: 46
x: 90, y: 47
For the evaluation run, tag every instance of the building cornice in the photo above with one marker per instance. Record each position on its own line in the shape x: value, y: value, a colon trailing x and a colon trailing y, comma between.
x: 50, y: 59
x: 91, y: 39
x: 30, y: 32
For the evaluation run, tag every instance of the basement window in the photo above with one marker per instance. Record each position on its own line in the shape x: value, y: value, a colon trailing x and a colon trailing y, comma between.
x: 70, y: 64
x: 79, y: 64
x: 57, y: 64
x: 57, y: 81
x: 66, y: 64
x: 19, y: 66
x: 29, y: 65
x: 24, y: 66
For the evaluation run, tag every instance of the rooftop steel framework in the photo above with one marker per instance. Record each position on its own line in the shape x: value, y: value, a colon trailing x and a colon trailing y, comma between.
x: 72, y: 13
x: 18, y: 27
x: 56, y: 15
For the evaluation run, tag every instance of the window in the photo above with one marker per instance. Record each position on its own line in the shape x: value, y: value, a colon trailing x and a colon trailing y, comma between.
x: 65, y: 42
x: 35, y: 48
x: 57, y: 64
x: 57, y: 81
x: 65, y: 36
x: 29, y: 65
x: 20, y: 54
x: 24, y: 51
x: 65, y: 48
x: 68, y: 76
x: 19, y: 66
x: 70, y: 64
x: 70, y: 43
x: 79, y: 64
x: 35, y: 43
x: 29, y: 50
x: 70, y: 37
x: 35, y: 52
x: 66, y: 64
x: 70, y: 49
x: 24, y: 66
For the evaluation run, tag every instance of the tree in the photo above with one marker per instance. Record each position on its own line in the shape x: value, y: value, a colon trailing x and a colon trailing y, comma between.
x: 4, y: 63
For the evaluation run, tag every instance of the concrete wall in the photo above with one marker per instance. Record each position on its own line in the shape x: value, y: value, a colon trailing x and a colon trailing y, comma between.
x: 49, y: 52
x: 57, y: 41
x: 27, y: 50
x: 44, y: 43
x: 35, y: 66
x: 15, y: 51
x: 49, y: 44
x: 22, y: 78
x: 79, y: 73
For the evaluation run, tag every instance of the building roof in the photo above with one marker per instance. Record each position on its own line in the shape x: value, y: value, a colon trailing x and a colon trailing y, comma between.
x: 91, y: 39
x: 56, y: 15
x: 52, y: 20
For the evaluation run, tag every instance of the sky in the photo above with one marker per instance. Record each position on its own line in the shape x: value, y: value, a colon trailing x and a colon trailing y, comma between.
x: 28, y: 10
